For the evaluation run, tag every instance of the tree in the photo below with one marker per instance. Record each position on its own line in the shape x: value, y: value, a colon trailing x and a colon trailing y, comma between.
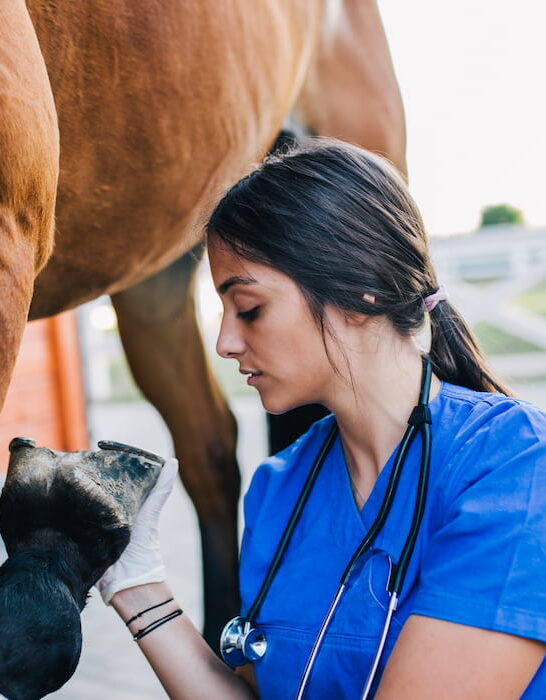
x: 501, y: 214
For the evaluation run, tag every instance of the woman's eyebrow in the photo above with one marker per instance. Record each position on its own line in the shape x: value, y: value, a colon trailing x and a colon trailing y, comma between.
x: 222, y: 289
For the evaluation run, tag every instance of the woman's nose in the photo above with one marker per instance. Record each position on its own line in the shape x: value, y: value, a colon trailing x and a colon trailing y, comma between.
x: 229, y: 343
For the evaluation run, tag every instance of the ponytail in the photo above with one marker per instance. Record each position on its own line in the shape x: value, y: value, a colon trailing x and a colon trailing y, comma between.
x: 455, y: 354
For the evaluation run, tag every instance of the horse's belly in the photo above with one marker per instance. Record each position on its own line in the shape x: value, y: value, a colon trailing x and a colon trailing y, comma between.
x: 158, y: 114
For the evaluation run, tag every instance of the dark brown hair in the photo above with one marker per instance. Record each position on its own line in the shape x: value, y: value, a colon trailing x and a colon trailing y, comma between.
x: 340, y: 222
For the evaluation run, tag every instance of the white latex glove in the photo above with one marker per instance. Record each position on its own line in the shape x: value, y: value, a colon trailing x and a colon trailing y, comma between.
x: 141, y: 561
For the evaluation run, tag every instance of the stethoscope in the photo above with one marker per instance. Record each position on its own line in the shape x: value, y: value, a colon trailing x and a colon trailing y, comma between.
x: 241, y: 642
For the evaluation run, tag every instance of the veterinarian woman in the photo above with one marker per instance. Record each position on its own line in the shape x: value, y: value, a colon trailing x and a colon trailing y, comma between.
x: 427, y: 477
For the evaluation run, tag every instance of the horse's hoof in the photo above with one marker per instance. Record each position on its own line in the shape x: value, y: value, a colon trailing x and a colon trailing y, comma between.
x: 86, y: 498
x: 122, y: 447
x: 21, y: 442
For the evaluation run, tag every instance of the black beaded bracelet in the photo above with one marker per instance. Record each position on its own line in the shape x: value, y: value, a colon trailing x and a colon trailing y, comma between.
x: 143, y: 612
x: 154, y: 625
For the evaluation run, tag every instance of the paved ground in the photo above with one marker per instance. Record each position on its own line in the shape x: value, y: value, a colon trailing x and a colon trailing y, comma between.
x: 111, y: 665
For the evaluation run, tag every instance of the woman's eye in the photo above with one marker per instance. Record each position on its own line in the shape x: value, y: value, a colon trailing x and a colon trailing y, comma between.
x: 249, y: 315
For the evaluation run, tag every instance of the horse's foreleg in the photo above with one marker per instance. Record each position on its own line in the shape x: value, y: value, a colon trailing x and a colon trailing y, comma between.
x: 351, y: 91
x: 164, y: 348
x: 29, y: 144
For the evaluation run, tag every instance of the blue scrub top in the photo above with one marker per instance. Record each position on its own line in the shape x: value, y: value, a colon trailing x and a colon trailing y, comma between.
x: 480, y: 558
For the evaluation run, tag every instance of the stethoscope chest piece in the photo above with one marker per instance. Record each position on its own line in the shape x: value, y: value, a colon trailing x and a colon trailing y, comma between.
x: 241, y: 643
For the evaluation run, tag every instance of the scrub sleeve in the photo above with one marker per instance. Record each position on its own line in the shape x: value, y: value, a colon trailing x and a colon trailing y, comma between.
x: 485, y: 563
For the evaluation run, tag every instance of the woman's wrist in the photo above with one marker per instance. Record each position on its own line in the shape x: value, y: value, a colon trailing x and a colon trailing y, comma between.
x: 179, y: 655
x: 132, y: 601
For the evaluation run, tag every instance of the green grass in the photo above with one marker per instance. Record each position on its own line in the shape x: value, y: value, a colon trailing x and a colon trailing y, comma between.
x: 495, y: 341
x: 483, y: 283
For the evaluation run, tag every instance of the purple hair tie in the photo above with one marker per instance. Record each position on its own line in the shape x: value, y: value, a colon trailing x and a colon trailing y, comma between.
x: 439, y: 295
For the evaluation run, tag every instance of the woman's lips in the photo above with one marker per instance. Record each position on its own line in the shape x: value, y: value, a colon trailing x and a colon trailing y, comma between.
x: 253, y: 378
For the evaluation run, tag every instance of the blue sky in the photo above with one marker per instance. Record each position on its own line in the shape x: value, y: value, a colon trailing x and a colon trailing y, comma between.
x: 472, y: 76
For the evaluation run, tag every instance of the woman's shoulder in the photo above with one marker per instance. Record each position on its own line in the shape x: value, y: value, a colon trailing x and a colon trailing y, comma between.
x: 483, y: 551
x: 479, y: 433
x: 471, y: 412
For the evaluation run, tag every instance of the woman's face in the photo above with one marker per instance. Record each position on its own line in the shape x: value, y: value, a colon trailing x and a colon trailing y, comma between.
x: 268, y: 328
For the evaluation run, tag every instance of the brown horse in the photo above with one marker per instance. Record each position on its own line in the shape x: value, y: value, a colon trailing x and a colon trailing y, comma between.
x: 154, y: 107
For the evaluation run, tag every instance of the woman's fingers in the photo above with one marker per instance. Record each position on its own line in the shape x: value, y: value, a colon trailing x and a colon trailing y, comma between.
x: 163, y: 487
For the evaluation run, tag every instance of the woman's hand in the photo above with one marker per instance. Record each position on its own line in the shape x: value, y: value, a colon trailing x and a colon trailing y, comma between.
x: 184, y: 663
x: 141, y: 561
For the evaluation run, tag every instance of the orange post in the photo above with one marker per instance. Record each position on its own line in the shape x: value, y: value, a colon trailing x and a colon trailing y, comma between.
x: 46, y: 398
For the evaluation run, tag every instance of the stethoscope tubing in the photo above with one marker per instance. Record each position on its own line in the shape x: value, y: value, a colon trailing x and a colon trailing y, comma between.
x: 291, y: 525
x: 419, y: 422
x: 385, y: 508
x: 318, y: 641
x: 397, y: 573
x: 304, y: 682
x: 396, y: 580
x: 393, y: 602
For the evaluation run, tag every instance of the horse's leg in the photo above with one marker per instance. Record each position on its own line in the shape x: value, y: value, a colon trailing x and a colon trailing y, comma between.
x: 351, y: 93
x: 351, y: 90
x: 163, y: 345
x: 29, y: 143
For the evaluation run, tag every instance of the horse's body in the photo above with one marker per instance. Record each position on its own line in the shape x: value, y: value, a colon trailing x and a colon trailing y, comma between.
x: 160, y: 104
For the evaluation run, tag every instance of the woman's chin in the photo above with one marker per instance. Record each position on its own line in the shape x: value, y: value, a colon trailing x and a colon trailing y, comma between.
x: 275, y: 413
x: 273, y: 408
x: 277, y: 408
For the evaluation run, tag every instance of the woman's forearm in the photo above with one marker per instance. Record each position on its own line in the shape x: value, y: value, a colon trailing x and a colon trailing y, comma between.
x: 186, y: 666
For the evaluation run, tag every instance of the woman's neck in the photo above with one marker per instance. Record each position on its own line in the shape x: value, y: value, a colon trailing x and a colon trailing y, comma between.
x: 373, y: 411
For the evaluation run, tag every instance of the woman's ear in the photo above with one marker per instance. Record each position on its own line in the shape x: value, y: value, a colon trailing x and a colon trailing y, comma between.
x: 357, y: 319
x: 353, y: 318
